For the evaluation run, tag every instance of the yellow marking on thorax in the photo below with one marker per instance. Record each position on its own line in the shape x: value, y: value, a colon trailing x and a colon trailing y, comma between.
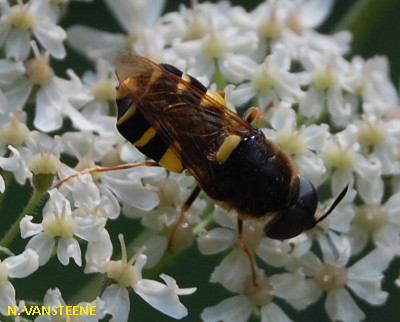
x: 171, y: 161
x: 225, y: 150
x: 146, y: 137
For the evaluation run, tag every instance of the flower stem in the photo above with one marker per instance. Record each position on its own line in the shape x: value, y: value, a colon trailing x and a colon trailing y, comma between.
x: 362, y: 18
x: 14, y: 229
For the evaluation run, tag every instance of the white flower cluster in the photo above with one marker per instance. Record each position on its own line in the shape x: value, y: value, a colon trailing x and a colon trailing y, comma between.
x: 338, y: 119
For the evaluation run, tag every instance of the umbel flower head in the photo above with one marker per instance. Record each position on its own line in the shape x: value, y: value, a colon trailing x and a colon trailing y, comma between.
x: 336, y: 115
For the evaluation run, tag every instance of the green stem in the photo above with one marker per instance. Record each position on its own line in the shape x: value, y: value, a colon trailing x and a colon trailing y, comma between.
x: 362, y: 18
x: 219, y: 79
x: 14, y: 229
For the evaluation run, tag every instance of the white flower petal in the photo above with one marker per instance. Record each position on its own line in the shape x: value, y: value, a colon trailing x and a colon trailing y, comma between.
x: 155, y: 249
x: 7, y: 298
x: 225, y: 218
x: 116, y: 299
x: 69, y: 247
x: 139, y: 264
x: 5, y: 28
x: 22, y: 265
x: 216, y: 240
x: 89, y: 227
x: 274, y: 252
x: 51, y: 37
x: 43, y: 245
x: 242, y: 94
x: 366, y: 275
x: 53, y: 297
x: 161, y: 297
x: 131, y: 14
x: 28, y: 228
x: 18, y: 94
x: 172, y: 284
x: 295, y: 289
x: 340, y: 306
x: 233, y: 309
x: 12, y: 162
x: 48, y: 116
x: 94, y: 43
x: 313, y: 13
x: 98, y: 253
x: 232, y: 271
x: 311, y: 104
x: 18, y: 44
x: 283, y: 117
x: 133, y: 193
x: 316, y: 136
x: 273, y: 313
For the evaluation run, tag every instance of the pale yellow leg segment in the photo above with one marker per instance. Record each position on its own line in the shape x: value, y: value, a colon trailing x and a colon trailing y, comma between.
x: 225, y: 150
x: 105, y: 169
x: 252, y: 114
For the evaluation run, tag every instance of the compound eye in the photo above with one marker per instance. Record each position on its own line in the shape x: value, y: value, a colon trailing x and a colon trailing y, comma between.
x: 297, y: 218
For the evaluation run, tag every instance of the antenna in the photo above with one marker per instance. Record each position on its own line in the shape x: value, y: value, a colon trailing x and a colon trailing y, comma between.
x: 326, y: 214
x: 333, y: 206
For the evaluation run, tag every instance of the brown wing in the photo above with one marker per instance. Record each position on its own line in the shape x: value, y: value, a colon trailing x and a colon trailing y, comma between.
x: 192, y: 123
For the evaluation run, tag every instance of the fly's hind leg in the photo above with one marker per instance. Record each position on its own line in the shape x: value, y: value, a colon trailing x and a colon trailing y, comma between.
x: 248, y: 252
x: 185, y: 207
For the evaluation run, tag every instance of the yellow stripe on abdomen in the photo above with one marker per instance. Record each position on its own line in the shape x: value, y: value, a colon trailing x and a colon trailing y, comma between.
x: 145, y: 138
x: 171, y: 161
